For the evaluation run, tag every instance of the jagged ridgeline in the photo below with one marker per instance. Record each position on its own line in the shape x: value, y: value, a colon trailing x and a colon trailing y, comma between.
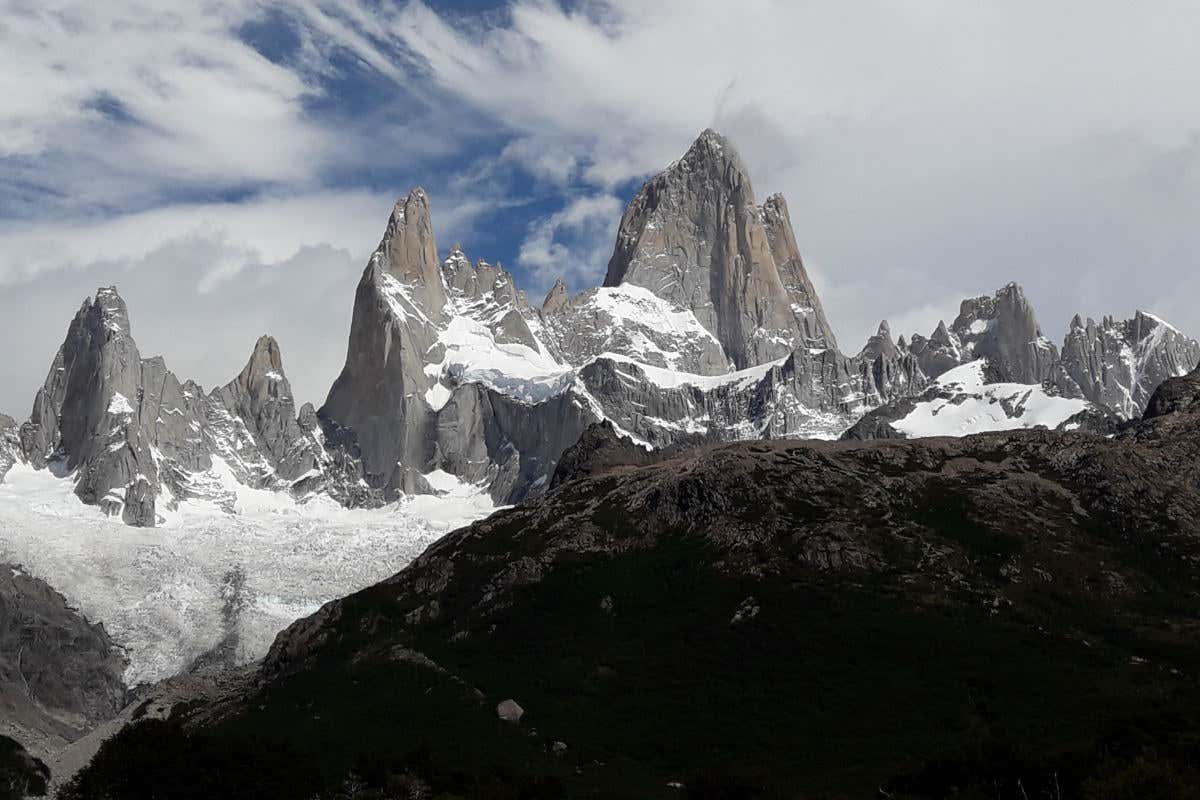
x: 707, y: 328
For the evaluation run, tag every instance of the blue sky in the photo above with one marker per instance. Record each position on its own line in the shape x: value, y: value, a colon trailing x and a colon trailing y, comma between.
x: 230, y: 164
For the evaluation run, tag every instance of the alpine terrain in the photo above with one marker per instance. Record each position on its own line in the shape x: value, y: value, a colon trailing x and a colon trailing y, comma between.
x: 707, y: 328
x: 659, y: 537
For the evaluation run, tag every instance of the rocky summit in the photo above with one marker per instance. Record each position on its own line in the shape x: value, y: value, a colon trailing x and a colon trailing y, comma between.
x: 707, y: 328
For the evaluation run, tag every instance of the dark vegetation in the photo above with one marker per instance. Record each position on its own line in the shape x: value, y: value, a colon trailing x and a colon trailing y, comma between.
x: 1010, y: 617
x: 21, y: 775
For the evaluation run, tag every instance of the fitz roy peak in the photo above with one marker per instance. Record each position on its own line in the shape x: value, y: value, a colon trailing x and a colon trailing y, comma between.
x: 707, y: 328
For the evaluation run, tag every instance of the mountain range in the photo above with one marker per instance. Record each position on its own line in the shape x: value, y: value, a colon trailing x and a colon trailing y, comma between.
x: 707, y: 328
x: 1008, y: 615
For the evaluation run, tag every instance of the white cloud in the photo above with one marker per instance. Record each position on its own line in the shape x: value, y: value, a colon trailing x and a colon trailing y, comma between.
x: 573, y: 244
x: 923, y: 146
x: 148, y: 95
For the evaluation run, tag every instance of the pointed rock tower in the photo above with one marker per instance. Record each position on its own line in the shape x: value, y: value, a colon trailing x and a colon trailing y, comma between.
x: 695, y: 236
x: 85, y: 416
x: 260, y: 402
x: 378, y: 400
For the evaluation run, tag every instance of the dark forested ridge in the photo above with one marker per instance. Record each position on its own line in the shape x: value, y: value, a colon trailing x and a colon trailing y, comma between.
x: 1002, y: 616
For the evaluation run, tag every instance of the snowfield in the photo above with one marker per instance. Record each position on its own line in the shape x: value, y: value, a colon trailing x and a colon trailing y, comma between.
x: 978, y: 407
x: 168, y: 595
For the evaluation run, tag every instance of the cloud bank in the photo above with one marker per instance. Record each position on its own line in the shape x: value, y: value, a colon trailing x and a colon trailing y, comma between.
x: 233, y: 157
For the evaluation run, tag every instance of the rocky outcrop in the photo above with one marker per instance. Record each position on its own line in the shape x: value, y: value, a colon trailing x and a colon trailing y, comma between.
x: 888, y: 370
x: 488, y: 438
x: 1175, y: 395
x: 1118, y: 364
x: 695, y: 236
x: 708, y: 328
x: 1051, y: 558
x: 380, y: 394
x: 59, y: 674
x: 85, y: 417
x: 261, y: 401
x: 633, y: 322
x: 805, y: 304
x: 598, y: 450
x: 137, y: 440
x: 1003, y: 329
x: 10, y: 445
x: 1112, y: 367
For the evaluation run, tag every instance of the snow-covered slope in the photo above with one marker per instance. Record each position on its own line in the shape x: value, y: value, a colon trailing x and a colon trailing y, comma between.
x: 206, y: 580
x: 632, y: 322
x: 962, y: 402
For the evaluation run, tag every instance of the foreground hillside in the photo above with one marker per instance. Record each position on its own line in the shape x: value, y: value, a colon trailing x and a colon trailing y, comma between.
x: 1006, y: 615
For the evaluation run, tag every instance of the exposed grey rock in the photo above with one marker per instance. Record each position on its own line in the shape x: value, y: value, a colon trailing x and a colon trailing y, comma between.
x: 10, y: 444
x: 556, y: 298
x: 695, y: 236
x: 1175, y: 395
x: 489, y: 293
x: 510, y: 711
x: 135, y: 437
x: 633, y: 322
x: 59, y: 674
x: 512, y: 447
x: 708, y: 329
x: 888, y: 370
x: 260, y: 398
x: 940, y: 352
x: 805, y: 305
x: 1119, y: 364
x: 85, y: 417
x: 379, y: 397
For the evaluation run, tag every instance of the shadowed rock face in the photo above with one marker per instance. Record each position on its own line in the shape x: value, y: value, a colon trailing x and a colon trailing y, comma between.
x: 1003, y: 328
x: 59, y: 675
x: 805, y: 304
x: 133, y: 434
x: 695, y: 236
x: 10, y: 444
x: 85, y: 415
x: 1048, y: 572
x: 1118, y: 364
x: 262, y: 398
x: 1175, y: 395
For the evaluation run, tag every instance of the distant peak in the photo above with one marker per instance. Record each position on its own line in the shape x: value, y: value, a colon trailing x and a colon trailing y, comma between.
x: 266, y: 356
x: 884, y: 329
x: 410, y: 209
x: 111, y: 308
x: 556, y: 298
x: 711, y: 148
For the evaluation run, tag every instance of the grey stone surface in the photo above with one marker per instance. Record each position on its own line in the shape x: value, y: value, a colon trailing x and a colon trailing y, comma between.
x: 1119, y: 364
x: 615, y: 320
x: 379, y: 397
x: 135, y: 437
x: 695, y: 235
x: 10, y: 444
x: 708, y: 328
x: 85, y: 417
x: 261, y: 399
x: 59, y: 674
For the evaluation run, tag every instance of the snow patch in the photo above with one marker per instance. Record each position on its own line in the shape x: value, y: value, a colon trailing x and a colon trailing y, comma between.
x: 158, y: 591
x: 119, y: 404
x: 977, y: 406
